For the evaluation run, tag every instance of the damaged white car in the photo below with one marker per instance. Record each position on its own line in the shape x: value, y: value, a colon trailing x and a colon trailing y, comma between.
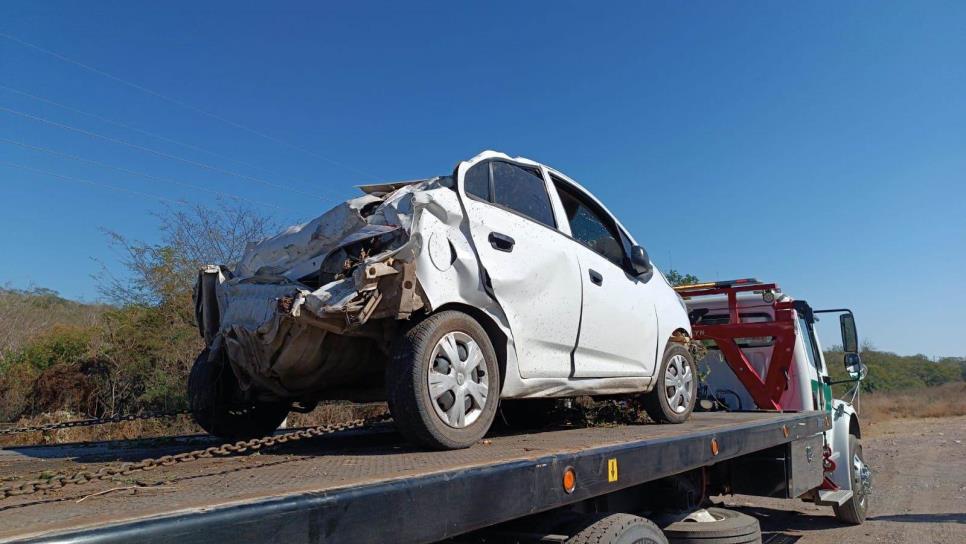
x: 504, y: 280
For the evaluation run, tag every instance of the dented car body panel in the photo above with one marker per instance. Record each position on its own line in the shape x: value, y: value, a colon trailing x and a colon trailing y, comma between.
x: 310, y: 314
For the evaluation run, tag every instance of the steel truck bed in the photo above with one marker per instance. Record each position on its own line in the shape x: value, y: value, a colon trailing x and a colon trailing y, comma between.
x: 368, y: 486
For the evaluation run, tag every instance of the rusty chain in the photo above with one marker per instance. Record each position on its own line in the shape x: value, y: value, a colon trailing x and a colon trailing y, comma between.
x: 59, y: 480
x: 91, y: 422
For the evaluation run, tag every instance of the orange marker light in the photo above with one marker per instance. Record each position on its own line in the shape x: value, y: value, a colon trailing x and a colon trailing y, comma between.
x: 714, y: 446
x: 785, y: 430
x: 569, y: 480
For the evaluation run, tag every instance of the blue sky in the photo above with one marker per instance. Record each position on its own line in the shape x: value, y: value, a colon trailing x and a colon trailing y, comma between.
x: 821, y: 145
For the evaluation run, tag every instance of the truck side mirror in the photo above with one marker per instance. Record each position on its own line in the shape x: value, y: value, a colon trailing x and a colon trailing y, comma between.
x: 640, y: 262
x: 850, y: 339
x: 854, y: 366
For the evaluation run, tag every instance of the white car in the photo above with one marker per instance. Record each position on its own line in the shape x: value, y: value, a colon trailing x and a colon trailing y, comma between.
x: 505, y: 280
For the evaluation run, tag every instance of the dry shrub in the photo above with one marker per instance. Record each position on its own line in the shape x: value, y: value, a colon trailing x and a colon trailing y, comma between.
x: 325, y: 413
x: 942, y: 401
x: 336, y: 412
x: 125, y: 430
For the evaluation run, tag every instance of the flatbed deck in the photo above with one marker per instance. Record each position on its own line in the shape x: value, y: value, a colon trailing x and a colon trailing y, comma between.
x: 365, y: 486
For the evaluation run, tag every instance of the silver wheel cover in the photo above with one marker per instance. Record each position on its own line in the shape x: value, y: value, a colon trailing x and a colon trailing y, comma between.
x: 457, y: 380
x: 678, y: 384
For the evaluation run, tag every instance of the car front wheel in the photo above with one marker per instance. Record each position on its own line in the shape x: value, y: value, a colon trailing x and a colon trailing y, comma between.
x: 443, y: 383
x: 675, y: 394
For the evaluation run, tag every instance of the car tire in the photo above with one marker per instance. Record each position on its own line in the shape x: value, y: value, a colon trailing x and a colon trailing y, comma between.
x: 451, y: 350
x: 676, y: 392
x: 618, y: 529
x: 210, y: 387
x: 854, y: 510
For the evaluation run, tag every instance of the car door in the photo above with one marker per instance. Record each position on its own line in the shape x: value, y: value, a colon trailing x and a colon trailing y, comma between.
x: 618, y: 325
x: 532, y: 271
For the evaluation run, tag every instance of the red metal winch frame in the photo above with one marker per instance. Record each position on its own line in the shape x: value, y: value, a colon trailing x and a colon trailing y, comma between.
x: 766, y: 392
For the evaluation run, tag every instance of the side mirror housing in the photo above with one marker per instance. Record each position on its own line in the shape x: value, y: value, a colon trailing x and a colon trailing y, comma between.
x: 640, y: 261
x: 854, y: 366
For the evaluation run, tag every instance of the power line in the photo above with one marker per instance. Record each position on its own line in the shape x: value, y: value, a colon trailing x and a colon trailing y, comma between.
x: 132, y: 128
x: 179, y: 202
x: 136, y: 173
x: 156, y: 152
x: 184, y: 105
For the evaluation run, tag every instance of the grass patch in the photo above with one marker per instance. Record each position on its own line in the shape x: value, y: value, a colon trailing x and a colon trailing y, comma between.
x: 945, y: 400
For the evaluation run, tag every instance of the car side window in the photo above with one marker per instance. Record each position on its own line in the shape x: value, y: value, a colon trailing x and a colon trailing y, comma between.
x: 589, y: 226
x: 523, y: 191
x: 476, y: 182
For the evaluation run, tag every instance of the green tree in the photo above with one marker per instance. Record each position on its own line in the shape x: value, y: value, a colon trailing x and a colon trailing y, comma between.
x: 676, y: 279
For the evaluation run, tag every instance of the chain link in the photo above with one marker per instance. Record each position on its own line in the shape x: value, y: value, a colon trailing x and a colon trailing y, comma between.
x: 91, y: 422
x: 59, y: 480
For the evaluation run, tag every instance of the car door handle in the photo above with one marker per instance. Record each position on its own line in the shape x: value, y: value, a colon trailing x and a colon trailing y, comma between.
x: 501, y: 242
x: 595, y: 277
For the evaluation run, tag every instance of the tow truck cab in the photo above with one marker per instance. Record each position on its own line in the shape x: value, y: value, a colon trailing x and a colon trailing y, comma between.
x: 761, y: 351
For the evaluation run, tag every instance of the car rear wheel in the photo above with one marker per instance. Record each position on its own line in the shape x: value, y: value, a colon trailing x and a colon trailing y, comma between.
x: 443, y: 383
x: 673, y: 398
x: 211, y: 386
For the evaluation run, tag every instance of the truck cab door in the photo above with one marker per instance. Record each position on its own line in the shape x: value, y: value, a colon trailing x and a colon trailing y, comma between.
x: 618, y: 324
x: 531, y: 269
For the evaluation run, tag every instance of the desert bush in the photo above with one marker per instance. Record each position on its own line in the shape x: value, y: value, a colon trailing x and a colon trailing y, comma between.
x: 26, y: 314
x: 941, y: 401
x: 132, y: 355
x: 891, y: 372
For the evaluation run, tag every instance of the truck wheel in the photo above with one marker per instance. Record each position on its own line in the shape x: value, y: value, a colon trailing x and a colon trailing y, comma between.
x: 210, y: 387
x: 619, y: 529
x: 675, y: 394
x: 715, y: 526
x: 854, y: 510
x: 443, y: 382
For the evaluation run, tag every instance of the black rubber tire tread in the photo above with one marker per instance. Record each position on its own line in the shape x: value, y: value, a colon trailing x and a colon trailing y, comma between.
x: 735, y: 528
x: 618, y: 529
x: 852, y: 512
x: 655, y: 402
x: 528, y: 413
x: 209, y: 384
x: 407, y: 391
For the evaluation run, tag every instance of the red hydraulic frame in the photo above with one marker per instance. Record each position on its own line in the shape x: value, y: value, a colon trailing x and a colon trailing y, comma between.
x: 766, y: 392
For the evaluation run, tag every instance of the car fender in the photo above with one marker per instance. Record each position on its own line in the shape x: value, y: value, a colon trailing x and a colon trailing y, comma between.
x: 672, y: 315
x: 448, y: 270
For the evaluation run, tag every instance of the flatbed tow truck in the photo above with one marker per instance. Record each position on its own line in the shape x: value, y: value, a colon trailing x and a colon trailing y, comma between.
x: 369, y: 485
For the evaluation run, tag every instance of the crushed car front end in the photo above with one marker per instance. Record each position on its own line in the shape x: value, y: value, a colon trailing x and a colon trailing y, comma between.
x: 311, y: 311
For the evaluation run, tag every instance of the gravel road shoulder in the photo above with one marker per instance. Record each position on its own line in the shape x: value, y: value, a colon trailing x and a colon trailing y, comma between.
x: 919, y: 491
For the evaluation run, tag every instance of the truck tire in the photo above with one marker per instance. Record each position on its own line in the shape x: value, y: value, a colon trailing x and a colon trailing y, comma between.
x: 724, y: 527
x: 443, y: 382
x: 619, y: 529
x: 673, y: 398
x: 854, y: 510
x: 210, y: 387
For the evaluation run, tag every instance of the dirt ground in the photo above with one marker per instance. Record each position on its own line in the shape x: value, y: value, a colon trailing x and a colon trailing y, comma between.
x: 919, y: 491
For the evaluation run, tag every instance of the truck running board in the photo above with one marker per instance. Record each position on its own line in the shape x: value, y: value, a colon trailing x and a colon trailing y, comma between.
x: 833, y: 498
